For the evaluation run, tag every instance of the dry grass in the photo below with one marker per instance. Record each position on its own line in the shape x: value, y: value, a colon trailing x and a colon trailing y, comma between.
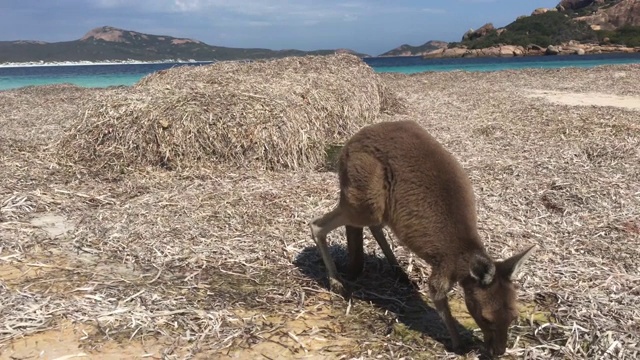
x: 276, y: 115
x: 219, y: 262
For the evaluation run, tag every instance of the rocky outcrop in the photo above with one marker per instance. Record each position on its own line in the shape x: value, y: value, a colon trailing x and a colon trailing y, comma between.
x: 495, y: 51
x: 105, y: 33
x: 605, y: 14
x: 482, y: 31
x: 570, y: 48
x: 553, y: 50
x: 540, y: 11
x: 626, y: 12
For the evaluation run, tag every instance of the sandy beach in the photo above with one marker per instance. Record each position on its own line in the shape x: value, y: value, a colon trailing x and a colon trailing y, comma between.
x: 219, y: 262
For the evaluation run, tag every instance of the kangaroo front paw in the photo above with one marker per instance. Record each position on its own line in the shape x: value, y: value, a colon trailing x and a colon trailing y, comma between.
x: 337, y: 287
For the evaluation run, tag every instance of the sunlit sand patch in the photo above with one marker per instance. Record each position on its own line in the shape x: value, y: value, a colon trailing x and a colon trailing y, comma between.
x: 587, y: 99
x: 304, y: 336
x: 72, y: 341
x: 54, y: 224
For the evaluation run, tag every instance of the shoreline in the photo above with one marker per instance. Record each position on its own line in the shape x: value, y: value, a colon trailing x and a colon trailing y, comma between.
x: 520, y: 51
x: 380, y: 69
x: 452, y: 53
x: 91, y: 63
x: 568, y: 49
x: 529, y: 54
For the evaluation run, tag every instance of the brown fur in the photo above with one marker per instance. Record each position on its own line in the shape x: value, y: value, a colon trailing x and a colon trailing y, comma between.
x: 396, y: 174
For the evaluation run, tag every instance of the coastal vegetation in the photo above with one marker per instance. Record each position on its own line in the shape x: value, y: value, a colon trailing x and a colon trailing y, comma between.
x: 627, y: 35
x: 550, y: 28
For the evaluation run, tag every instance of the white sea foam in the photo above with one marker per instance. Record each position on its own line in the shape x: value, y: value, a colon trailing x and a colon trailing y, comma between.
x: 108, y: 62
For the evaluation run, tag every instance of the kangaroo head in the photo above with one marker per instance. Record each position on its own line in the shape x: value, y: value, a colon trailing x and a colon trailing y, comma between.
x: 490, y: 295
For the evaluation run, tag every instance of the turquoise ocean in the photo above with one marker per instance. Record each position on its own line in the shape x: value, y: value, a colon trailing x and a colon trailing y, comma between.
x: 128, y: 74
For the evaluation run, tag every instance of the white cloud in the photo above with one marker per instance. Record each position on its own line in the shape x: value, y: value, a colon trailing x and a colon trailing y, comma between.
x: 149, y: 5
x: 188, y: 5
x: 262, y: 12
x: 110, y: 3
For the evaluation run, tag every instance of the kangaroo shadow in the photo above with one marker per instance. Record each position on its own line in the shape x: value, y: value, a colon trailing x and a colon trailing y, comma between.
x: 379, y: 285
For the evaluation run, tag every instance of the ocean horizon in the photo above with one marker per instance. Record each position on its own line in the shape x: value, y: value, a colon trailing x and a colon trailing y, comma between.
x: 105, y: 74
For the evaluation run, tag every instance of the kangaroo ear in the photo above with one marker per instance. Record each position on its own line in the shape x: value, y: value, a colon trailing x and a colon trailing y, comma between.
x: 511, y: 267
x: 482, y: 269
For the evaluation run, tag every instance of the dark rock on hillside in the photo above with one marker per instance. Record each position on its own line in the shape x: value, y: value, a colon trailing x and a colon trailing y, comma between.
x: 575, y: 4
x: 482, y: 31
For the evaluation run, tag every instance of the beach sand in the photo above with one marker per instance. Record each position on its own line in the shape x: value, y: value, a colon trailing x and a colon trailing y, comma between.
x: 220, y: 264
x: 588, y: 99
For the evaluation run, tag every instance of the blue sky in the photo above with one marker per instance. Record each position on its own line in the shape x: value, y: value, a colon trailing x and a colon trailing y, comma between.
x: 369, y: 26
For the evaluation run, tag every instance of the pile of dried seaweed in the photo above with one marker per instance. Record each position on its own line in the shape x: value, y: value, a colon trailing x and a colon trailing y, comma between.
x: 277, y: 114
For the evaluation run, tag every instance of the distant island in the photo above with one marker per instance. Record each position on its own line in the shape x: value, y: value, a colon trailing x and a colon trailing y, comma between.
x: 408, y: 50
x: 572, y: 27
x: 110, y: 44
x: 105, y: 62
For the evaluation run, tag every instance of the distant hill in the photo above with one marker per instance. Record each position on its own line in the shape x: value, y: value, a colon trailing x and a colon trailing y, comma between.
x: 408, y: 50
x: 581, y: 21
x: 109, y: 43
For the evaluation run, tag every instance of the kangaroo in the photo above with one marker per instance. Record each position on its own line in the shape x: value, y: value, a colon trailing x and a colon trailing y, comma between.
x: 396, y: 174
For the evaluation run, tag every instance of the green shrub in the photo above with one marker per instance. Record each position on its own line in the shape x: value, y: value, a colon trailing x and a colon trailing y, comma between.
x: 626, y: 35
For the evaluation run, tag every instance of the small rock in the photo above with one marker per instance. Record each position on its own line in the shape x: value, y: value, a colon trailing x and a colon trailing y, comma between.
x: 434, y: 54
x: 553, y: 50
x: 455, y: 52
x: 535, y: 47
x: 539, y: 11
x: 482, y: 31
